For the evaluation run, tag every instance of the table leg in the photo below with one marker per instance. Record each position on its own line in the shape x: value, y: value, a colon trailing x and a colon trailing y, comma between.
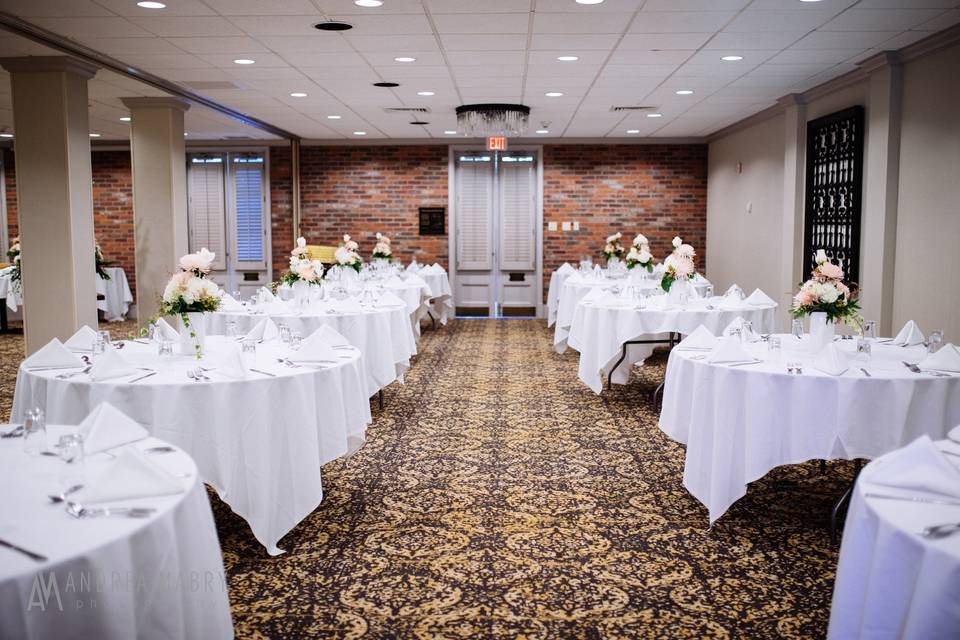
x: 380, y: 399
x: 844, y: 499
x: 3, y: 316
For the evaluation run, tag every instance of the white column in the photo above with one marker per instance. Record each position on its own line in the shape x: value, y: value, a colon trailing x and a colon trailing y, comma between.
x: 54, y: 195
x: 791, y: 237
x: 881, y: 183
x: 159, y: 194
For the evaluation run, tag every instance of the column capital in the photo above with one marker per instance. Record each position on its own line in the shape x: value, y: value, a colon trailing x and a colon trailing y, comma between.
x: 47, y: 64
x: 156, y: 102
x: 792, y: 99
x: 879, y: 61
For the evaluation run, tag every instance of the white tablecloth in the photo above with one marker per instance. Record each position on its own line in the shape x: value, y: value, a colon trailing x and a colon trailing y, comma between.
x: 158, y: 577
x: 260, y: 441
x: 740, y: 422
x: 599, y: 332
x: 384, y: 336
x: 416, y: 294
x: 892, y: 582
x: 116, y: 293
x: 441, y: 295
x: 557, y: 278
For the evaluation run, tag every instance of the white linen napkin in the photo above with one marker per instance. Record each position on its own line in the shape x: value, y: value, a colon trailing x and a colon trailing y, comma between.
x: 328, y: 336
x: 700, y: 339
x: 413, y: 278
x: 729, y: 349
x: 699, y: 279
x: 266, y: 329
x: 831, y: 360
x: 109, y: 365
x: 611, y: 299
x: 598, y: 272
x: 132, y: 475
x: 389, y: 299
x: 566, y: 267
x: 166, y: 331
x: 82, y: 340
x: 53, y: 354
x: 595, y: 294
x: 393, y: 281
x: 759, y: 299
x: 265, y: 295
x: 314, y: 351
x: 107, y: 427
x: 946, y: 359
x: 231, y: 364
x: 919, y: 467
x: 734, y: 292
x: 229, y: 303
x: 910, y: 335
x: 954, y: 434
x: 737, y: 323
x: 438, y: 267
x: 347, y: 305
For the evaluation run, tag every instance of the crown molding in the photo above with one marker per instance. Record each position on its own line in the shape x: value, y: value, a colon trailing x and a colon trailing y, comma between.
x: 156, y: 102
x: 48, y: 64
x: 453, y: 140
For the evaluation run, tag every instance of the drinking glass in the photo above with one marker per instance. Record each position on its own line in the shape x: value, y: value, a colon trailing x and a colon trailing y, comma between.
x: 248, y: 352
x: 70, y: 450
x: 870, y: 329
x: 165, y: 349
x: 737, y: 333
x: 295, y: 340
x: 35, y: 432
x: 864, y: 347
x: 796, y: 328
x: 284, y: 332
x: 709, y: 292
x: 934, y: 340
x: 775, y: 348
x: 638, y: 296
x: 231, y: 328
x: 104, y: 335
x: 747, y: 331
x: 236, y: 296
x: 99, y: 347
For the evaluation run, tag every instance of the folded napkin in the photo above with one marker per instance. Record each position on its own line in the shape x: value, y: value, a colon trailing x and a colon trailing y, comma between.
x: 107, y: 427
x: 598, y: 272
x: 53, y: 354
x: 413, y: 278
x: 131, y: 475
x: 438, y: 267
x: 82, y: 340
x: 737, y: 323
x: 701, y: 338
x: 729, y: 349
x: 109, y: 365
x: 831, y: 360
x: 919, y: 467
x: 946, y: 359
x: 414, y: 267
x: 759, y: 299
x: 393, y: 281
x: 166, y: 331
x: 566, y: 267
x: 347, y: 305
x: 595, y: 295
x: 265, y: 295
x: 910, y: 335
x: 699, y: 279
x: 734, y: 292
x: 231, y: 364
x: 389, y: 299
x: 263, y: 330
x: 328, y: 336
x: 954, y: 434
x: 229, y: 303
x: 315, y: 350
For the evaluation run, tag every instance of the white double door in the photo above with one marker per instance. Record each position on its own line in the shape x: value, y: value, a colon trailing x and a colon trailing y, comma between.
x: 495, y: 231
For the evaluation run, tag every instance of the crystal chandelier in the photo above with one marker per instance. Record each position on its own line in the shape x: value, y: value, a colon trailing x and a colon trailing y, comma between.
x: 482, y: 120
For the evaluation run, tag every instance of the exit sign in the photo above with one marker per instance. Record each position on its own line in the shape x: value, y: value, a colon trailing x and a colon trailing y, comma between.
x: 497, y: 143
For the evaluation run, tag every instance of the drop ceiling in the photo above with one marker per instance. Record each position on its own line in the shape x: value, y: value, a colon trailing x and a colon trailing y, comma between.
x: 631, y: 52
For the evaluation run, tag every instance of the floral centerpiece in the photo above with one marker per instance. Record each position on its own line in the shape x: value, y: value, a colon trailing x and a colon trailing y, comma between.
x: 382, y: 250
x: 347, y: 254
x: 639, y: 254
x: 679, y: 265
x: 827, y: 299
x: 99, y: 263
x: 189, y: 295
x: 302, y: 268
x: 613, y: 249
x: 14, y: 254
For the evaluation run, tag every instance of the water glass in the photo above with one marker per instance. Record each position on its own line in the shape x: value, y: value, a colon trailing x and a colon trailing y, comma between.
x: 165, y: 349
x: 747, y: 331
x: 35, y: 432
x: 796, y: 328
x: 70, y: 450
x: 775, y: 348
x: 99, y: 347
x: 284, y: 332
x: 870, y: 329
x: 709, y: 292
x: 104, y: 335
x: 737, y: 333
x: 232, y: 328
x: 793, y: 368
x: 295, y: 340
x: 934, y: 341
x: 248, y: 352
x: 865, y: 348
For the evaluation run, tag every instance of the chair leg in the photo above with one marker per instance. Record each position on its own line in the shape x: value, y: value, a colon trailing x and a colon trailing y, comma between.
x: 823, y: 467
x: 380, y: 399
x: 844, y: 500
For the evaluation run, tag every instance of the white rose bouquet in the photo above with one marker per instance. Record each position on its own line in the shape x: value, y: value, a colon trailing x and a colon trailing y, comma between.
x: 14, y: 254
x: 382, y: 250
x: 99, y: 263
x: 190, y: 291
x: 639, y: 254
x: 679, y: 265
x: 827, y: 292
x: 347, y: 254
x: 302, y: 268
x: 613, y: 248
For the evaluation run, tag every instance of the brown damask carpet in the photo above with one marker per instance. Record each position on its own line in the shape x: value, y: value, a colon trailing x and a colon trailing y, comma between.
x: 497, y: 497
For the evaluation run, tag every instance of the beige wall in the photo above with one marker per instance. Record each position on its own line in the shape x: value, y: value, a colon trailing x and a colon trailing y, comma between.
x: 927, y: 215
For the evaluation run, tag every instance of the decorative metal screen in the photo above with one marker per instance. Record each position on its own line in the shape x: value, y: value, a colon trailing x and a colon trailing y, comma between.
x: 834, y: 190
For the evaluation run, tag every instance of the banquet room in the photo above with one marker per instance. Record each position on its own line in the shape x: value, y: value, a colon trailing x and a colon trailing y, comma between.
x: 480, y: 319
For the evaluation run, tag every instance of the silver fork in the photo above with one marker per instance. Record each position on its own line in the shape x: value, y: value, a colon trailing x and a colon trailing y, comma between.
x: 79, y: 511
x: 64, y: 376
x: 63, y: 496
x: 941, y: 530
x: 865, y: 372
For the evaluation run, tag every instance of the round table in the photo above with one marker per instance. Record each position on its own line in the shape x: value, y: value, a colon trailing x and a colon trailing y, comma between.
x: 415, y: 294
x: 382, y: 334
x: 891, y: 581
x: 259, y: 441
x: 601, y: 331
x: 161, y: 576
x: 441, y: 295
x: 739, y: 422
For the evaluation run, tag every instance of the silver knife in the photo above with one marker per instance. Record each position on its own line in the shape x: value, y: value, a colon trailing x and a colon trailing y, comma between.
x: 266, y: 373
x: 887, y: 496
x: 30, y: 554
x: 146, y: 375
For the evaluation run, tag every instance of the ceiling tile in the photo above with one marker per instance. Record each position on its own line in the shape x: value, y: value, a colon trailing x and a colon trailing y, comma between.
x: 567, y: 6
x: 93, y: 27
x: 408, y: 73
x: 206, y: 44
x: 943, y: 21
x: 472, y: 6
x: 843, y: 39
x: 187, y: 26
x: 174, y: 8
x: 595, y: 23
x: 648, y: 41
x: 165, y: 61
x: 740, y: 41
x: 460, y: 42
x: 567, y: 70
x: 672, y: 56
x: 423, y: 59
x: 680, y: 21
x: 325, y: 59
x: 695, y: 5
x: 485, y: 23
x: 278, y: 26
x: 880, y: 19
x: 54, y: 8
x: 760, y: 20
x: 260, y: 8
x: 483, y: 58
x: 814, y: 56
x: 390, y: 24
x: 121, y: 46
x: 580, y: 42
x: 385, y: 42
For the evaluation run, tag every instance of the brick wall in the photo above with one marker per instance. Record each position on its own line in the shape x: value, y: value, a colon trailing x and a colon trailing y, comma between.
x: 10, y: 184
x: 657, y: 190
x: 281, y: 208
x: 113, y: 210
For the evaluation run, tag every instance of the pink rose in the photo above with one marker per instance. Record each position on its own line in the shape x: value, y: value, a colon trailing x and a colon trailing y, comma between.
x: 803, y: 298
x: 831, y: 270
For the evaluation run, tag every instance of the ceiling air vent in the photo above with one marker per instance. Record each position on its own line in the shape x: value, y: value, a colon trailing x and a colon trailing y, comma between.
x: 406, y: 109
x: 640, y: 108
x: 211, y: 85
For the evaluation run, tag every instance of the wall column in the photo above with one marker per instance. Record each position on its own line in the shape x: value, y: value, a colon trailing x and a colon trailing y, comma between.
x: 794, y: 169
x: 55, y: 195
x: 158, y: 159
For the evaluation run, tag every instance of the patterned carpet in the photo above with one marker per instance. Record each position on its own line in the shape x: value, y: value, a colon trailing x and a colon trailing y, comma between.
x: 497, y: 497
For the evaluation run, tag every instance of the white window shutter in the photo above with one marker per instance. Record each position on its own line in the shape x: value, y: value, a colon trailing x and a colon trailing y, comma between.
x: 474, y: 190
x: 518, y: 214
x: 205, y: 207
x: 248, y: 185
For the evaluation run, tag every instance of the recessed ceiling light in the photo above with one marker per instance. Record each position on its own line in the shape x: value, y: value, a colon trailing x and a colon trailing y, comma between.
x: 152, y: 5
x: 553, y: 94
x: 543, y: 131
x: 125, y: 119
x: 368, y: 3
x: 567, y: 58
x: 654, y: 115
x: 386, y: 85
x: 449, y: 133
x: 334, y: 117
x: 6, y: 135
x: 731, y: 58
x: 633, y: 130
x: 244, y: 61
x: 425, y: 93
x: 332, y: 25
x: 94, y: 135
x: 298, y: 94
x: 405, y: 59
x: 589, y: 1
x: 185, y: 133
x: 359, y: 133
x: 684, y: 92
